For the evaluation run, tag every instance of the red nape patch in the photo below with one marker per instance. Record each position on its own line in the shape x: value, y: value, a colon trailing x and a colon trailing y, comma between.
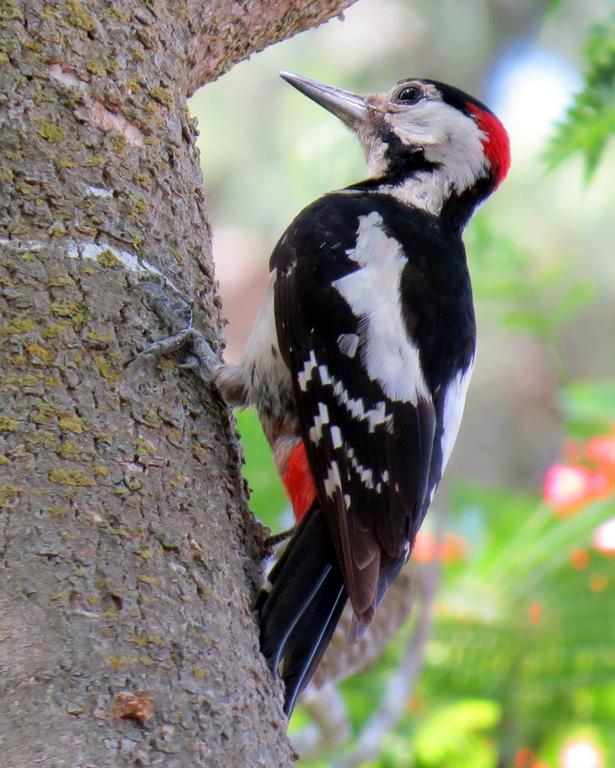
x: 298, y: 481
x: 496, y: 142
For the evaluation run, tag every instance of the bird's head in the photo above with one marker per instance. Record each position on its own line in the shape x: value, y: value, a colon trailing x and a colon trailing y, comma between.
x: 429, y: 144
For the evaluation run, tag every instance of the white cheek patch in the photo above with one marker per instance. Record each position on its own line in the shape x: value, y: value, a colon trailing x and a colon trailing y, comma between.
x: 447, y: 136
x: 454, y: 402
x: 425, y: 123
x: 450, y: 139
x: 372, y: 293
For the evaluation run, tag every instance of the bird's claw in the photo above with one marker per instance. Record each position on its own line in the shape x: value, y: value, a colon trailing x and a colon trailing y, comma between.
x: 271, y: 542
x: 190, y: 347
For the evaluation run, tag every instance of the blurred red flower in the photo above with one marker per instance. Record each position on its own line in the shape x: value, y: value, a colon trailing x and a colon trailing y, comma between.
x: 524, y: 758
x: 535, y: 613
x: 579, y: 558
x: 453, y: 548
x: 424, y: 549
x: 601, y: 451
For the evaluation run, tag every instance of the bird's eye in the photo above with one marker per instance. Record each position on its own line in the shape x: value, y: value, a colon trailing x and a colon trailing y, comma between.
x: 410, y: 94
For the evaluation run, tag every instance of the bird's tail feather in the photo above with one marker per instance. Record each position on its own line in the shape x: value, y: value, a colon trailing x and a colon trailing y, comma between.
x: 301, y: 606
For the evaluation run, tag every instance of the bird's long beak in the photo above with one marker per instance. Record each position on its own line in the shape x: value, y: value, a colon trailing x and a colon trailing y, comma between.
x: 349, y: 107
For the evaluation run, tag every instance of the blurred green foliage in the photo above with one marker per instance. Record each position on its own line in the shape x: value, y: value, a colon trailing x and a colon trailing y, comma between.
x: 590, y: 121
x: 540, y: 296
x: 588, y: 406
x: 267, y: 499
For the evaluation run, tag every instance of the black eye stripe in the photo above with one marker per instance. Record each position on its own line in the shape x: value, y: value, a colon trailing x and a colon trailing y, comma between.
x: 409, y: 94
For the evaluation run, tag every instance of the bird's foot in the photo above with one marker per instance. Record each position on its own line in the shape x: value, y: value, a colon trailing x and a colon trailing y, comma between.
x: 271, y: 542
x: 191, y: 350
x: 187, y: 344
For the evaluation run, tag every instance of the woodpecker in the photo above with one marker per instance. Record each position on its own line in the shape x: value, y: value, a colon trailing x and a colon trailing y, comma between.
x: 361, y: 356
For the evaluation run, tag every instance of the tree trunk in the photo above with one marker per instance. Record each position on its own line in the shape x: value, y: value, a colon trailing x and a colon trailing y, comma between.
x: 128, y: 557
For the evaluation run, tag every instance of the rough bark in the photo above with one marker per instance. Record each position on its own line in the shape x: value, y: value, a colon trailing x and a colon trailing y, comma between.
x: 128, y: 557
x: 224, y: 33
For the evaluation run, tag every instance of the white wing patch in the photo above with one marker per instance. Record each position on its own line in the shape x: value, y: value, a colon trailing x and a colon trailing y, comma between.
x: 375, y: 416
x: 372, y: 293
x: 454, y: 402
x: 333, y: 481
x: 348, y: 344
x: 336, y: 437
x: 323, y: 372
x: 365, y: 474
x: 306, y: 374
x: 356, y: 408
x: 319, y: 421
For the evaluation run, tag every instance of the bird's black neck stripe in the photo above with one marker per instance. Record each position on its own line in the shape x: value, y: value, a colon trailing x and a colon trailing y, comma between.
x: 403, y: 163
x: 458, y: 208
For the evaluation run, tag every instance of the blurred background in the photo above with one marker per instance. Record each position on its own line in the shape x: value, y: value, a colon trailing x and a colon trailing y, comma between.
x: 519, y: 669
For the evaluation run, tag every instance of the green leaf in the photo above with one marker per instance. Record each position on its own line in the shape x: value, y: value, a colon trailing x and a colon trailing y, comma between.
x: 590, y: 120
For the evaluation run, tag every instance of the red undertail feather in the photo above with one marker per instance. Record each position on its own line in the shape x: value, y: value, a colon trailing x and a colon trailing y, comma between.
x: 496, y: 142
x: 298, y: 481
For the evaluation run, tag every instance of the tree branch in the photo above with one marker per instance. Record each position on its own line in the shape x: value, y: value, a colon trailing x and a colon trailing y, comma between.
x: 330, y: 727
x: 400, y: 684
x: 224, y: 33
x: 416, y: 584
x: 343, y: 659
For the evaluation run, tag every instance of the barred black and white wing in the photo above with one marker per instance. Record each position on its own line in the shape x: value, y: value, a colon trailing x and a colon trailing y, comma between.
x: 375, y: 324
x: 366, y: 414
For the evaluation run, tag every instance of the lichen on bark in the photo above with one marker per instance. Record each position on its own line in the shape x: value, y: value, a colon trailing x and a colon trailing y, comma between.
x: 128, y: 556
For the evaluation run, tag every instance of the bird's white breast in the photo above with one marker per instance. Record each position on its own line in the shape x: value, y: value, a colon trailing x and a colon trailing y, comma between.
x: 454, y: 402
x: 262, y: 371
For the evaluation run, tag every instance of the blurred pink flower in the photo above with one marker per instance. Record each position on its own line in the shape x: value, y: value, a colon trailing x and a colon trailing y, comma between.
x: 424, y: 549
x: 568, y: 487
x: 581, y: 753
x: 604, y: 537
